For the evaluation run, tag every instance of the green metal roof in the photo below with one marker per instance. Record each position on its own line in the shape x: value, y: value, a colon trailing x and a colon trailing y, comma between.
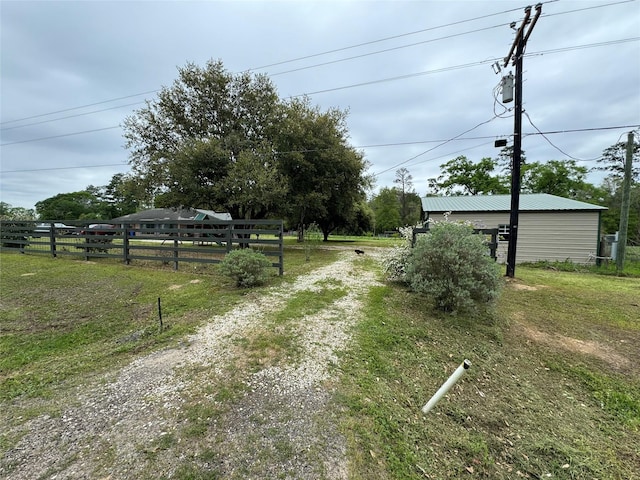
x: 502, y: 203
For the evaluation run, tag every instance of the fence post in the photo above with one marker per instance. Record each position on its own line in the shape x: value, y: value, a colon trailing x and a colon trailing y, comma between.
x: 125, y: 242
x: 229, y: 237
x: 52, y: 239
x: 494, y: 244
x: 175, y: 253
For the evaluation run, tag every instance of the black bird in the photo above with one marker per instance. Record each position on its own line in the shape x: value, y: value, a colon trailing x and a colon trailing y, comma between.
x: 359, y: 252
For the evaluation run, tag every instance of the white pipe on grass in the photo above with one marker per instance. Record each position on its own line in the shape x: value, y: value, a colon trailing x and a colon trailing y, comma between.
x: 446, y: 386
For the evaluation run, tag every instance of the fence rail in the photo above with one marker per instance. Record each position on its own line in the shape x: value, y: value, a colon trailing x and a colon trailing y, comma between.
x: 174, y: 242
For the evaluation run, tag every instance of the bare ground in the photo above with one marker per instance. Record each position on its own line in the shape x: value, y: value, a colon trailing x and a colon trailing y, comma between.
x: 131, y: 424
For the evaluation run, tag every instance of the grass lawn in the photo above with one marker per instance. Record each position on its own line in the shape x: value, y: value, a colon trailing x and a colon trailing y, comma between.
x: 553, y: 391
x: 62, y: 319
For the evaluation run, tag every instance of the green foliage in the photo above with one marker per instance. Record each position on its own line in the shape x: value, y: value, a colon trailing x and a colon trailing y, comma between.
x: 386, y: 208
x: 325, y: 175
x: 394, y: 263
x: 611, y: 197
x: 614, y: 157
x: 246, y: 267
x: 410, y: 204
x: 227, y: 142
x: 362, y: 221
x: 187, y: 142
x: 562, y: 178
x: 393, y: 208
x: 7, y: 212
x: 462, y: 176
x: 124, y: 194
x: 452, y: 266
x: 72, y: 206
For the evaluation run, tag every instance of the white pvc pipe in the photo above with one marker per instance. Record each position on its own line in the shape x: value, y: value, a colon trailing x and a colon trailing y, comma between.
x: 446, y: 386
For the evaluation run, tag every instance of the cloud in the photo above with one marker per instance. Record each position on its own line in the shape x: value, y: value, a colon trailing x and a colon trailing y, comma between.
x: 59, y: 55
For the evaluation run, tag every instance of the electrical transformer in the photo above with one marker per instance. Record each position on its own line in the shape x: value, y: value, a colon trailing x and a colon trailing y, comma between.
x: 507, y: 88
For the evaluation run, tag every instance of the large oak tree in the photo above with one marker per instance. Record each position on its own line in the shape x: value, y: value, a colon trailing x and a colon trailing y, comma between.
x: 326, y: 176
x: 228, y: 142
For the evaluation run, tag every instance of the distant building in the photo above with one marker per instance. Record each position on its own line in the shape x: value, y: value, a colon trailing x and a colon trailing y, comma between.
x: 157, y: 220
x: 171, y: 215
x: 549, y: 227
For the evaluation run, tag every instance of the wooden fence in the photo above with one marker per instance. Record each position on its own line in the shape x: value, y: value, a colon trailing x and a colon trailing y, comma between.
x: 164, y: 241
x: 492, y: 232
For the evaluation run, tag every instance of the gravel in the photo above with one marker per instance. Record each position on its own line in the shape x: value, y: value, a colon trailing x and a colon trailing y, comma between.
x: 283, y: 426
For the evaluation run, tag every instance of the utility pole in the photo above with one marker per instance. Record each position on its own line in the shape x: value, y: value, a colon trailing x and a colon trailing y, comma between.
x: 624, y: 209
x: 519, y: 45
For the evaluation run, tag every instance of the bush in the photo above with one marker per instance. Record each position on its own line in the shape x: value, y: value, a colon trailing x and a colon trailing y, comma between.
x: 452, y: 265
x: 246, y: 267
x: 395, y: 261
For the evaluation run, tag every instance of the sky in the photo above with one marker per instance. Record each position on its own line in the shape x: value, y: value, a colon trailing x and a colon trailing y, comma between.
x: 417, y: 78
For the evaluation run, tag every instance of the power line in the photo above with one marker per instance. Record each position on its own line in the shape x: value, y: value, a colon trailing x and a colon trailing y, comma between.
x: 453, y: 153
x: 417, y: 43
x: 584, y: 46
x: 389, y: 38
x: 270, y: 65
x: 325, y: 53
x: 552, y: 144
x: 59, y: 136
x: 344, y: 87
x: 575, y: 130
x: 328, y: 90
x: 70, y: 116
x: 387, y: 50
x: 437, y: 146
x: 65, y: 168
x: 377, y: 145
x: 400, y: 77
x: 78, y: 108
x: 271, y: 75
x: 586, y: 8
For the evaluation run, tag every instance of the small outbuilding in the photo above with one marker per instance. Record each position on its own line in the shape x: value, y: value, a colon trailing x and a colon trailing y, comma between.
x: 549, y: 227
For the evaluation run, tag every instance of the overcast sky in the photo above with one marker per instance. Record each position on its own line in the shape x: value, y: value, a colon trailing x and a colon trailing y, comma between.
x: 412, y: 74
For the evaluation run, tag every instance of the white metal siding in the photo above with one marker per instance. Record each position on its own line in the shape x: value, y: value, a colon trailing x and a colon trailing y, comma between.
x: 558, y: 236
x: 543, y: 236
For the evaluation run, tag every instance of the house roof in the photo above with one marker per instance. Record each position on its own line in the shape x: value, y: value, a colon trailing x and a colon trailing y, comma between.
x: 502, y: 203
x: 155, y: 214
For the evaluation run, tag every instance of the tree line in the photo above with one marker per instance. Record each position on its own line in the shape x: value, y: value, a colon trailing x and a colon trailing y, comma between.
x: 227, y: 142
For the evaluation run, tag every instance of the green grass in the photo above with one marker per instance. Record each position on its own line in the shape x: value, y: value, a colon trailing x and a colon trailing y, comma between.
x: 275, y: 340
x: 553, y: 388
x: 631, y: 267
x: 525, y: 409
x: 62, y: 319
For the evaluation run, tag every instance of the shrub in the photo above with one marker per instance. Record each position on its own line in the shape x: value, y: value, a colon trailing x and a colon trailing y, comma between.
x: 395, y: 261
x: 452, y: 265
x: 246, y: 267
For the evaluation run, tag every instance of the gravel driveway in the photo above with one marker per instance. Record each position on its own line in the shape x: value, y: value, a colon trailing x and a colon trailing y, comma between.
x: 130, y: 424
